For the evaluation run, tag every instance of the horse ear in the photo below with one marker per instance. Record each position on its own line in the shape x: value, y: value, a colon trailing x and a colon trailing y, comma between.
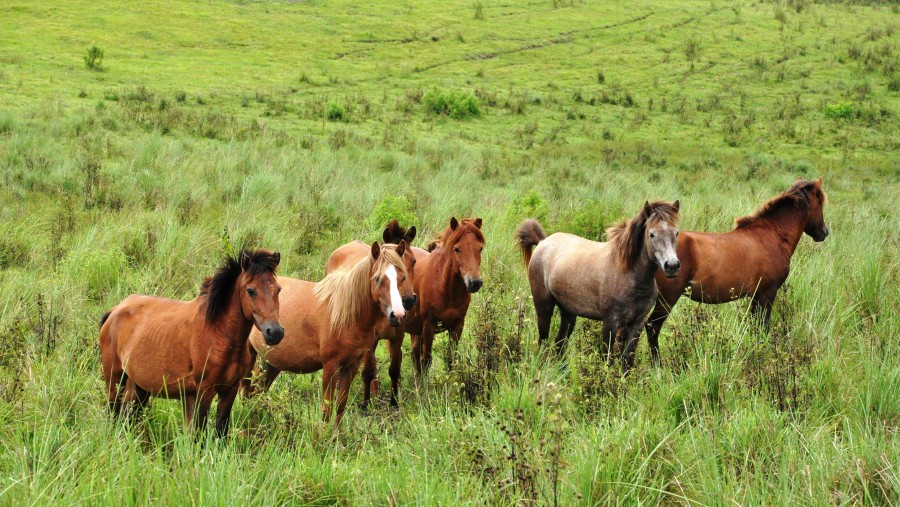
x: 245, y: 261
x: 677, y: 205
x: 401, y: 248
x: 647, y: 209
x: 386, y: 235
x: 410, y: 234
x: 277, y: 257
x: 478, y: 222
x: 453, y: 223
x: 376, y: 250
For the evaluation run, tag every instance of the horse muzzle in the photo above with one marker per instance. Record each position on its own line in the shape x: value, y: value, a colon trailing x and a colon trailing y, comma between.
x: 273, y: 334
x: 820, y: 237
x: 409, y: 302
x: 396, y: 320
x: 473, y: 285
x: 671, y: 268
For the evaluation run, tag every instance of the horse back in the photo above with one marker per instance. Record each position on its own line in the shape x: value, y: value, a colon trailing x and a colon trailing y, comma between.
x: 347, y: 256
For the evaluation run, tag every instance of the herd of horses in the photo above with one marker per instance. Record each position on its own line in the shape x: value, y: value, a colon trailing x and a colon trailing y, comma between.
x: 197, y: 350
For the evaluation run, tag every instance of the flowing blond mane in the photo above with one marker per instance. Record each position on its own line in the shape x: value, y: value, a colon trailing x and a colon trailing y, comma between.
x: 627, y: 238
x: 347, y: 290
x: 795, y: 196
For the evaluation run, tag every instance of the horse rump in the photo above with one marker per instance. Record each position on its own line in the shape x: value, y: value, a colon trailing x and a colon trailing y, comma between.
x: 529, y: 234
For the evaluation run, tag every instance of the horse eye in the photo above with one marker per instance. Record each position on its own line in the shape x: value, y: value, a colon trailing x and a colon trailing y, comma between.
x: 652, y: 235
x: 676, y: 234
x: 251, y: 292
x: 456, y: 249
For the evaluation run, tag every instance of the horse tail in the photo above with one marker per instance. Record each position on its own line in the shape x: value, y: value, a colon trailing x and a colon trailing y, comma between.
x: 529, y: 234
x: 104, y: 317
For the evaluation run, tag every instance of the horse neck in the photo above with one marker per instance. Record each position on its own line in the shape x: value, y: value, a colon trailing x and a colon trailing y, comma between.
x: 233, y: 327
x: 364, y: 323
x: 786, y: 227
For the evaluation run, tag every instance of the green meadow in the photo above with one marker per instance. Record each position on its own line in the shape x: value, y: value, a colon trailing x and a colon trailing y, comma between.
x: 142, y: 142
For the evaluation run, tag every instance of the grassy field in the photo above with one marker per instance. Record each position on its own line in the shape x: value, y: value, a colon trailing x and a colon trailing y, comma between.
x: 299, y: 126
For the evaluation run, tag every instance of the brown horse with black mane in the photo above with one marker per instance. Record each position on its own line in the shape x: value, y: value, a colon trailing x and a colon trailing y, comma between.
x: 753, y: 260
x: 192, y: 350
x: 350, y: 254
x: 445, y: 279
x: 330, y: 325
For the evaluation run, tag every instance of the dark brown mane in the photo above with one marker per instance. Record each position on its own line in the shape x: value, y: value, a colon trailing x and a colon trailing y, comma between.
x: 628, y: 237
x: 394, y: 233
x: 449, y: 236
x: 795, y: 196
x: 218, y: 288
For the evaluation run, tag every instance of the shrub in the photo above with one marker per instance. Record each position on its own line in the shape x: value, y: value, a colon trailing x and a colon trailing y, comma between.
x: 391, y: 208
x: 478, y: 6
x: 335, y: 112
x: 93, y: 59
x: 455, y: 104
x: 839, y: 110
x: 530, y: 205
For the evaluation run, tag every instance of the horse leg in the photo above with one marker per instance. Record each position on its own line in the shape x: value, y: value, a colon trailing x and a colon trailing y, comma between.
x: 329, y: 379
x: 654, y: 325
x: 761, y: 306
x: 630, y: 334
x: 416, y: 353
x: 202, y: 411
x: 610, y: 332
x: 247, y: 387
x: 396, y: 360
x: 271, y: 373
x: 345, y: 378
x: 453, y: 342
x: 189, y: 401
x: 368, y: 375
x: 115, y: 383
x: 138, y: 399
x: 566, y: 326
x: 543, y: 308
x: 223, y: 410
x: 427, y: 342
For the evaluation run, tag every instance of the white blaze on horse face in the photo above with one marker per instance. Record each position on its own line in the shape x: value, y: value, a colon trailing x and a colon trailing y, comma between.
x: 396, y: 300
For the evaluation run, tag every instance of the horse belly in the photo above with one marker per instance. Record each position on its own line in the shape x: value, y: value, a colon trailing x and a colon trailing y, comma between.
x: 157, y: 359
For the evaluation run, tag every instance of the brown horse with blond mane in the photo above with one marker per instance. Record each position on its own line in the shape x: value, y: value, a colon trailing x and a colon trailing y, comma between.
x: 753, y: 260
x: 612, y: 281
x: 350, y: 254
x: 446, y: 278
x: 192, y: 350
x: 330, y: 325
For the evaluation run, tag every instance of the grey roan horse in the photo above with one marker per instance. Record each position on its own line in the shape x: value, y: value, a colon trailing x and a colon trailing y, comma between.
x: 612, y: 281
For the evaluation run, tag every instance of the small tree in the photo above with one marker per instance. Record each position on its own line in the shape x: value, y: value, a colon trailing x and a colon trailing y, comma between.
x: 93, y: 60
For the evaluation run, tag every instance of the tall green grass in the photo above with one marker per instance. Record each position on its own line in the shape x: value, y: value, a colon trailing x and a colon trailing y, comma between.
x: 202, y: 134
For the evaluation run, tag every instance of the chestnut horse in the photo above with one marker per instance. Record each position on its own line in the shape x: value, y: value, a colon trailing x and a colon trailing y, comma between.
x: 192, y: 350
x: 330, y: 325
x: 446, y: 276
x: 350, y: 254
x: 612, y: 281
x: 753, y: 260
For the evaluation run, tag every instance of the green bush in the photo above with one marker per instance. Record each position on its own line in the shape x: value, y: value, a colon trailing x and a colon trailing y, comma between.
x: 839, y: 110
x: 530, y: 205
x: 93, y: 59
x: 391, y: 208
x: 336, y: 112
x: 454, y: 103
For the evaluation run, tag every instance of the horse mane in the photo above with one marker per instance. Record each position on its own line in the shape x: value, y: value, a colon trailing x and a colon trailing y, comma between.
x: 347, y: 290
x: 395, y: 232
x: 627, y: 237
x: 448, y: 237
x: 218, y: 288
x: 795, y: 196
